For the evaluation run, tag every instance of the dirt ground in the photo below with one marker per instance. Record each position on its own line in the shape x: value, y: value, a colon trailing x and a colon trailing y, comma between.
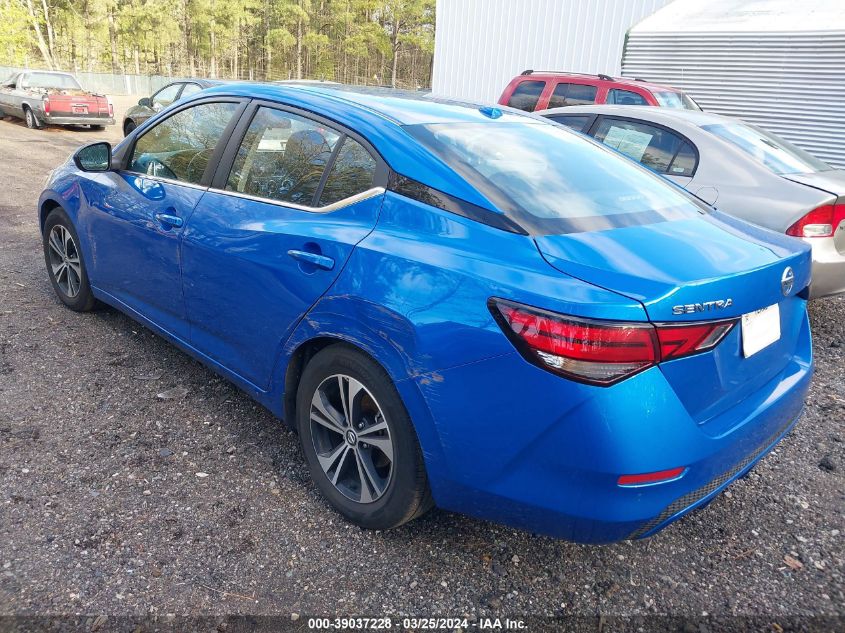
x: 114, y: 500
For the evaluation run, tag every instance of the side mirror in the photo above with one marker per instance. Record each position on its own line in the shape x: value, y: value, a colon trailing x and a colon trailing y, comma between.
x: 93, y: 157
x: 146, y: 102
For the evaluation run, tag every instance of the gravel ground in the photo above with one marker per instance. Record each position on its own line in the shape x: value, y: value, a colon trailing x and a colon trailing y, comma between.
x: 114, y: 500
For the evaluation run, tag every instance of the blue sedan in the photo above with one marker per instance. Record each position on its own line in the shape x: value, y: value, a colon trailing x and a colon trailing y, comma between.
x: 453, y: 305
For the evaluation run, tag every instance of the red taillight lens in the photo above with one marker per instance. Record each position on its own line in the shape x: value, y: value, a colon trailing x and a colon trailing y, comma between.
x: 820, y: 222
x: 651, y: 478
x: 46, y: 106
x: 111, y: 109
x: 600, y: 352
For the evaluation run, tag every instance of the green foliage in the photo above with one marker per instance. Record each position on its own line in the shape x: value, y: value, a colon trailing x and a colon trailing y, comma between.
x: 16, y: 40
x: 357, y: 41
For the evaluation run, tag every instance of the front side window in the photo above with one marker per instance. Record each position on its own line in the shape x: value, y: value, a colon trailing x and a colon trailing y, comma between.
x: 353, y: 172
x: 572, y: 94
x: 577, y: 122
x: 625, y: 97
x: 50, y: 80
x: 652, y: 146
x: 180, y: 147
x: 551, y: 181
x: 282, y: 157
x: 776, y: 154
x: 166, y: 96
x: 526, y: 94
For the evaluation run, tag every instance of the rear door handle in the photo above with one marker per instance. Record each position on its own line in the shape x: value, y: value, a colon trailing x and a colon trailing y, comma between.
x: 321, y: 261
x: 169, y: 221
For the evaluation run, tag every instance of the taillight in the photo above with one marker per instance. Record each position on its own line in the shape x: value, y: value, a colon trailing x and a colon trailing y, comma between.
x: 46, y: 105
x: 600, y: 352
x: 111, y: 108
x: 820, y: 222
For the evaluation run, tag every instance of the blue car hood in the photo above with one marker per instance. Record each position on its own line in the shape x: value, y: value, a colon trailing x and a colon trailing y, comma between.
x: 687, y: 262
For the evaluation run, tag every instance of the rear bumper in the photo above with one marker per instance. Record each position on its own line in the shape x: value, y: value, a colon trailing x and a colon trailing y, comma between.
x: 543, y: 454
x: 828, y: 268
x: 77, y: 120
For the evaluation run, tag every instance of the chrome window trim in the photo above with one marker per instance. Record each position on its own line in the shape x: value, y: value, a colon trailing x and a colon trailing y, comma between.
x: 170, y: 181
x: 334, y: 206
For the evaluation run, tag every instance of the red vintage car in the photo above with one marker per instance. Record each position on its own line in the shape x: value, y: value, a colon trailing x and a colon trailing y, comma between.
x: 42, y: 98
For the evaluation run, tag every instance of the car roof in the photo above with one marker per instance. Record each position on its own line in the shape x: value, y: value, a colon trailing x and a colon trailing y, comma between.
x: 402, y: 107
x: 666, y: 116
x: 622, y: 81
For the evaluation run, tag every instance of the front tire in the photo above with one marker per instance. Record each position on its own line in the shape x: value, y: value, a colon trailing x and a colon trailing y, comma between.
x: 358, y: 440
x: 65, y: 264
x: 129, y: 127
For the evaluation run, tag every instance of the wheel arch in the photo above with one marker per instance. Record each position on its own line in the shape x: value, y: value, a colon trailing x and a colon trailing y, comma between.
x: 47, y: 206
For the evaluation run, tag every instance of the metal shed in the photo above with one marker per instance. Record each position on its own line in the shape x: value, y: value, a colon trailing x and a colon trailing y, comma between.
x: 480, y: 45
x: 776, y: 63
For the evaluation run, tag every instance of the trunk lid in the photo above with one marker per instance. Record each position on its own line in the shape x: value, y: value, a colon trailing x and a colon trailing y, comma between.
x: 832, y: 181
x: 77, y: 102
x: 680, y: 271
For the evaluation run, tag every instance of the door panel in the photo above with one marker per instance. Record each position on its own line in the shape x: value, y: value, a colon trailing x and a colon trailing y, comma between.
x: 137, y: 218
x: 248, y: 277
x: 136, y: 254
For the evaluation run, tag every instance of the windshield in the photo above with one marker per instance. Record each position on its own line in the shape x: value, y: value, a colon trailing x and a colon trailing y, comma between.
x: 50, y: 80
x: 677, y: 100
x: 778, y: 155
x: 551, y: 180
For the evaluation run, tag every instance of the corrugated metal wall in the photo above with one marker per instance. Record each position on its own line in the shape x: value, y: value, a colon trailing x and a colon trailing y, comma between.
x: 791, y: 83
x: 480, y: 45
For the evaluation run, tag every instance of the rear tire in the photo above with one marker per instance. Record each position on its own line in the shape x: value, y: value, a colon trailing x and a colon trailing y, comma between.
x: 372, y: 470
x: 98, y: 127
x: 65, y: 265
x: 32, y: 121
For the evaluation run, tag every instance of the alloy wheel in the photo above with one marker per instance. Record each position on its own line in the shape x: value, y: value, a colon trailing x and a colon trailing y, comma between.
x: 64, y: 261
x: 351, y: 438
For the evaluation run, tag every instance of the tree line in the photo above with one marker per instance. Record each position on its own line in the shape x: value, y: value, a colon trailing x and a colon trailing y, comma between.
x: 374, y: 42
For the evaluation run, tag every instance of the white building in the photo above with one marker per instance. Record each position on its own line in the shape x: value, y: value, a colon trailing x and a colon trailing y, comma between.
x: 480, y: 45
x: 776, y: 63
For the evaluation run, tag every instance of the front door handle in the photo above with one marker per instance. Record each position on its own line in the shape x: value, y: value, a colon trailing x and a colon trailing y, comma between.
x: 320, y: 261
x: 169, y: 221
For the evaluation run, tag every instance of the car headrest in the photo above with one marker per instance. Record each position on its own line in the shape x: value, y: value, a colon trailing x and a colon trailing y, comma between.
x: 306, y: 146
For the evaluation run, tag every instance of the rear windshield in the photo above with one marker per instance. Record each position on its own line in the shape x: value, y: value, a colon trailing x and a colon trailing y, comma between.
x: 551, y: 180
x: 50, y: 80
x: 778, y: 155
x: 677, y: 100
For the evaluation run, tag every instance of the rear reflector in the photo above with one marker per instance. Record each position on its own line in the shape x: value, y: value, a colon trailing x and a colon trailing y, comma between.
x: 651, y: 478
x: 820, y: 222
x: 600, y: 352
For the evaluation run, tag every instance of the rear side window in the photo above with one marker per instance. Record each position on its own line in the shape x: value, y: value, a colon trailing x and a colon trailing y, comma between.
x: 353, y: 172
x: 282, y: 157
x: 625, y: 97
x: 684, y: 162
x: 189, y: 90
x: 577, y: 122
x: 526, y: 94
x: 166, y: 96
x: 180, y: 147
x: 572, y: 94
x: 654, y: 147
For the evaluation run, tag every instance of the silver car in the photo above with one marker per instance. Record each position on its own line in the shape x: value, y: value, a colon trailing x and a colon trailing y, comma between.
x: 736, y: 167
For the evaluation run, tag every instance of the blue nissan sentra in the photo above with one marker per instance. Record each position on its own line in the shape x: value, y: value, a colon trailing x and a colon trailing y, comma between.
x: 453, y: 305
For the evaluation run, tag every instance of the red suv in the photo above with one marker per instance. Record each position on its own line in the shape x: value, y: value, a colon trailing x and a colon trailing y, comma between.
x: 541, y: 90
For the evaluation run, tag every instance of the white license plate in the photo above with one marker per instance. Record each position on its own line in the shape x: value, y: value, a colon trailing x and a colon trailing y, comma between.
x: 80, y: 109
x: 760, y: 329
